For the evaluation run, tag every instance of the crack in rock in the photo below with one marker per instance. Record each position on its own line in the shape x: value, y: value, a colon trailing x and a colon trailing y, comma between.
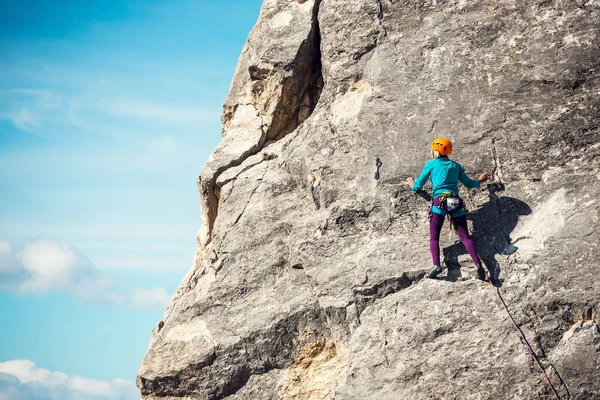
x: 365, y: 296
x: 299, y: 95
x: 251, y: 195
x: 497, y: 165
x: 228, y: 368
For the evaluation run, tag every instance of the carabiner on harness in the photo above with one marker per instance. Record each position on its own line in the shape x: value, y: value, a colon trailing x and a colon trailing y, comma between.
x: 380, y: 7
x: 429, y: 210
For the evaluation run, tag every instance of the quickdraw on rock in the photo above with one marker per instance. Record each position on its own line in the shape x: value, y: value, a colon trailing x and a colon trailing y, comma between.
x: 378, y: 164
x: 380, y: 8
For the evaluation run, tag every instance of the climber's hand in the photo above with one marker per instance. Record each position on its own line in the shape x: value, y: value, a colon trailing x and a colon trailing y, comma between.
x: 484, y: 177
x: 410, y: 181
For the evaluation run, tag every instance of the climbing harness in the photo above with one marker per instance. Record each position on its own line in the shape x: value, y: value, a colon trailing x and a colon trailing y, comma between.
x: 448, y: 202
x: 378, y: 164
x: 451, y: 203
x: 380, y: 8
x: 524, y: 341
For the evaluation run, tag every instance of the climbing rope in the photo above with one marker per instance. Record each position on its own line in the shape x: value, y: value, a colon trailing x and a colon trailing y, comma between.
x: 522, y: 337
x: 519, y: 331
x: 380, y: 8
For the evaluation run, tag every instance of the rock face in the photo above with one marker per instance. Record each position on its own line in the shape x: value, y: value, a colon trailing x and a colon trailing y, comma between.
x: 308, y: 279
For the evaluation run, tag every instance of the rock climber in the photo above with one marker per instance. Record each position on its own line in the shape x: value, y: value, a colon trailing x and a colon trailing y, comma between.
x: 445, y: 175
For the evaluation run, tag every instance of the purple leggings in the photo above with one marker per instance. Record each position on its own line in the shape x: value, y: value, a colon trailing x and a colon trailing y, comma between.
x: 435, y: 227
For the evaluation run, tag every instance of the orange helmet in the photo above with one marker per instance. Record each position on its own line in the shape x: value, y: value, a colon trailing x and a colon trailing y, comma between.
x: 443, y: 145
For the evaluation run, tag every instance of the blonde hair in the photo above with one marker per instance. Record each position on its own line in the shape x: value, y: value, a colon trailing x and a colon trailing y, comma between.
x: 435, y: 154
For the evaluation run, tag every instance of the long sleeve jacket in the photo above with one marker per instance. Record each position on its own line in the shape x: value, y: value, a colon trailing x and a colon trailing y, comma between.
x: 445, y: 175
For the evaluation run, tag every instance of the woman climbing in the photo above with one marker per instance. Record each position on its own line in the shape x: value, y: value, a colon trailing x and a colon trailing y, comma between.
x: 445, y: 175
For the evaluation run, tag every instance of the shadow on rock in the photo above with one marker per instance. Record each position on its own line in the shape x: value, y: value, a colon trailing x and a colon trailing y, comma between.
x: 493, y: 223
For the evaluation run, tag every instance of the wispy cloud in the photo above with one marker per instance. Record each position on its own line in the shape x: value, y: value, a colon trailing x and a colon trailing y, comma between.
x: 150, y: 299
x: 105, y: 111
x: 44, y: 99
x: 165, y: 145
x: 28, y: 109
x: 99, y: 289
x: 22, y: 119
x: 46, y: 266
x: 23, y: 380
x: 139, y: 108
x: 98, y: 109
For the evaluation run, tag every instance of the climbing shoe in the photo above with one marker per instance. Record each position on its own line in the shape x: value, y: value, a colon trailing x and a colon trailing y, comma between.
x: 434, y: 272
x: 481, y: 273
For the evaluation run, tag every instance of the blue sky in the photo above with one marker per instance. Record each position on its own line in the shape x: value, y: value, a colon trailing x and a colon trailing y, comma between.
x: 108, y: 111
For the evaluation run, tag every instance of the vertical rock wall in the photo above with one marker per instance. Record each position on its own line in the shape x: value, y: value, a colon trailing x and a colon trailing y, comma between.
x: 308, y: 280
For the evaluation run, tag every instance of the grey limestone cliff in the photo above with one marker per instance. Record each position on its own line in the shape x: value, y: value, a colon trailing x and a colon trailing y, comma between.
x: 308, y: 282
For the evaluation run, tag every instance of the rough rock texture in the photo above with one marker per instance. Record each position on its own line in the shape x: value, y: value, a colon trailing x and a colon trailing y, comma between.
x: 308, y: 280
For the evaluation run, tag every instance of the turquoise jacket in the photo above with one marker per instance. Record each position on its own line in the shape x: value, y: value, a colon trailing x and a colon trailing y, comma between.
x: 445, y: 175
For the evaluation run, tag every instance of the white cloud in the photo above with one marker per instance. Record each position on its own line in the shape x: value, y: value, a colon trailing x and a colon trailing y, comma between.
x: 26, y: 372
x: 53, y: 266
x: 10, y: 268
x: 23, y: 380
x: 44, y: 266
x: 149, y: 299
x: 118, y: 245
